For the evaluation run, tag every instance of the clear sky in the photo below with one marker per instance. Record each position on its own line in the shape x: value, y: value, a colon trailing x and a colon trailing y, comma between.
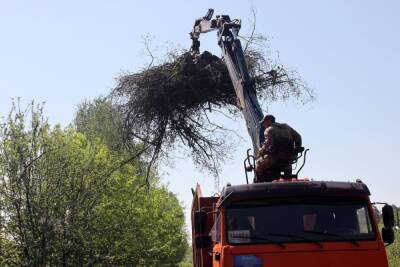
x: 64, y: 52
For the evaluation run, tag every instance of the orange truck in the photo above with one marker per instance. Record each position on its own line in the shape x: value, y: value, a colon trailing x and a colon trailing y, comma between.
x: 287, y: 222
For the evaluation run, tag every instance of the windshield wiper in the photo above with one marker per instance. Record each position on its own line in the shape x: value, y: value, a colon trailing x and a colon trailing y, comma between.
x: 261, y: 238
x: 297, y: 236
x: 332, y: 234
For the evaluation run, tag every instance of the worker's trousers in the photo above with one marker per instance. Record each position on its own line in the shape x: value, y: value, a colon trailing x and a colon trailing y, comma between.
x: 269, y: 168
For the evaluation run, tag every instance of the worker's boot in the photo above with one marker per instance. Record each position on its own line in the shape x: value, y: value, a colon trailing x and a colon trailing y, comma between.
x: 287, y: 172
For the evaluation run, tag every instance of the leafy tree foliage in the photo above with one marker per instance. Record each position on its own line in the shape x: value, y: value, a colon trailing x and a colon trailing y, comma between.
x: 67, y: 200
x: 188, y: 260
x: 100, y: 119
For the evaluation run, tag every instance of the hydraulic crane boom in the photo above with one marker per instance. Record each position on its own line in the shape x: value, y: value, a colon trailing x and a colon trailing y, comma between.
x: 235, y: 61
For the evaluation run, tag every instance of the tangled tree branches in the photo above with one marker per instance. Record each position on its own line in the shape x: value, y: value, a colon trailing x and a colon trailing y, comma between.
x: 170, y: 103
x: 273, y: 82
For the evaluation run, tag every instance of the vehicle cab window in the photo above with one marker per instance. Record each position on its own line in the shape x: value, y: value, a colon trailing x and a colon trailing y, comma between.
x: 215, y: 232
x: 297, y: 221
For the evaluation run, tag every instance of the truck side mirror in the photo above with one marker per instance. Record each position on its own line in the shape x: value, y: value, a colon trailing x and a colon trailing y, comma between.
x: 388, y: 216
x: 387, y: 235
x: 199, y: 221
x: 203, y: 241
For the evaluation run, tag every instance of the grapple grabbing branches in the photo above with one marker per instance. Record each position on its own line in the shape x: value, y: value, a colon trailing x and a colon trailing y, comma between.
x: 169, y: 105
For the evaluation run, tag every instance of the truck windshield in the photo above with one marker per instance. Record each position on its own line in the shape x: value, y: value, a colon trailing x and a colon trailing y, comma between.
x: 301, y: 221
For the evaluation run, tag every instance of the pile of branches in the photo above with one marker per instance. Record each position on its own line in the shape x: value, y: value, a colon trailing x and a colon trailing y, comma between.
x: 170, y: 104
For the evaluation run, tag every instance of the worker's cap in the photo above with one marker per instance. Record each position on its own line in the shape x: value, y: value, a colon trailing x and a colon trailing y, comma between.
x: 267, y: 117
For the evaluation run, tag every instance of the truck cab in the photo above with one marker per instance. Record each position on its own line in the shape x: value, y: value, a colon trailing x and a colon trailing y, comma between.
x: 288, y: 223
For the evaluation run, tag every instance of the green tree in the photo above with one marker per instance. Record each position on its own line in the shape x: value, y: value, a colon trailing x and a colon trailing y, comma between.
x: 67, y: 200
x: 100, y: 119
x: 160, y: 234
x: 146, y: 226
x: 51, y: 182
x: 188, y: 260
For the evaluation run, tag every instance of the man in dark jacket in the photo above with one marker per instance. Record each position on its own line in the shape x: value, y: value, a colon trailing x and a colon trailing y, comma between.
x: 278, y: 152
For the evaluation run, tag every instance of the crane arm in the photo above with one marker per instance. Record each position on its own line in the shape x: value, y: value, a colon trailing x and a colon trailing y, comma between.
x: 235, y: 61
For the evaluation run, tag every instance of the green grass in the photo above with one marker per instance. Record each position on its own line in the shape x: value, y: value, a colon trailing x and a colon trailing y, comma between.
x: 393, y: 251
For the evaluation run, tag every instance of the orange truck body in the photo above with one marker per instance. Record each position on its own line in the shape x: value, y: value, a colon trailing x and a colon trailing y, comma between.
x: 302, y: 253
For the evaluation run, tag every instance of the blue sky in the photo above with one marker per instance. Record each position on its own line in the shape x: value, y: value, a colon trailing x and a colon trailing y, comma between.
x: 64, y: 52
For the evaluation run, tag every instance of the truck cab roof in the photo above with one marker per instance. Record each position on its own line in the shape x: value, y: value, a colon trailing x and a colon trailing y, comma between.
x: 292, y: 188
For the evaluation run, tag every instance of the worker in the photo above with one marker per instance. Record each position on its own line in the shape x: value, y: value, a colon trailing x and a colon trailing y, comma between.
x: 278, y: 152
